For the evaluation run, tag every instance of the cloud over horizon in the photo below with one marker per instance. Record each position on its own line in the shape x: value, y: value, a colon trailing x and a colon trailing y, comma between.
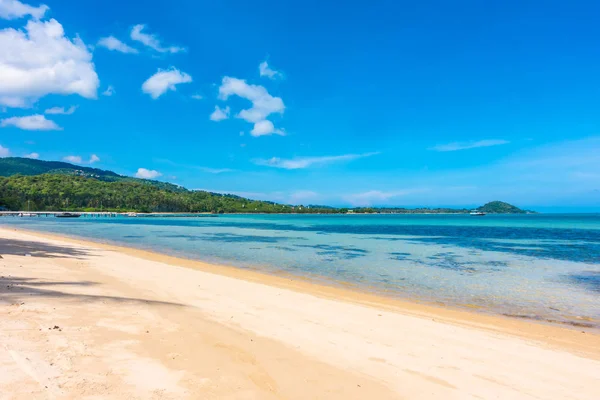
x: 4, y: 152
x: 455, y: 146
x: 79, y: 160
x: 215, y: 170
x: 144, y: 173
x: 306, y: 162
x: 378, y: 197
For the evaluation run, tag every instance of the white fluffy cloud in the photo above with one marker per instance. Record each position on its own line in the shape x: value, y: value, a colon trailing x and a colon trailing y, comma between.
x: 61, y: 110
x: 455, y: 146
x: 13, y: 9
x: 265, y: 127
x: 305, y: 162
x: 114, y: 44
x: 197, y: 97
x: 110, y: 90
x: 41, y: 60
x: 164, y: 80
x: 263, y: 104
x: 35, y: 156
x: 4, y: 152
x: 79, y: 160
x: 73, y: 159
x: 268, y: 72
x: 151, y: 40
x: 147, y: 173
x: 220, y: 114
x: 35, y: 122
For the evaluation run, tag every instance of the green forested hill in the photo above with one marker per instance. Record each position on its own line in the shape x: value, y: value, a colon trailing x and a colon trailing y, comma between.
x: 50, y: 185
x: 71, y: 192
x: 10, y: 166
x: 53, y: 185
x: 26, y: 166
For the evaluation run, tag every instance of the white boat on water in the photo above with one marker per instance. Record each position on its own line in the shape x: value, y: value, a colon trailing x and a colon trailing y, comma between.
x: 476, y: 213
x: 132, y: 214
x: 27, y: 214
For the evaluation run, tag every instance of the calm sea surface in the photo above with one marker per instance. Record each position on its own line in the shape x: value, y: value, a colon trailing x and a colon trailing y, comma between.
x: 535, y: 266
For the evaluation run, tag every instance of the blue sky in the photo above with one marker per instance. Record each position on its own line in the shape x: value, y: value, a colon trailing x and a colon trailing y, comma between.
x: 429, y: 103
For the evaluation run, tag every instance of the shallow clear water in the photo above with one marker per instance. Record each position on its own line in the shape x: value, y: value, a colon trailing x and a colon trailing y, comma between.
x: 537, y: 266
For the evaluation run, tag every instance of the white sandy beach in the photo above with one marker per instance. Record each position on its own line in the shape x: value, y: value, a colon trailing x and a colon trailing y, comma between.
x: 90, y: 321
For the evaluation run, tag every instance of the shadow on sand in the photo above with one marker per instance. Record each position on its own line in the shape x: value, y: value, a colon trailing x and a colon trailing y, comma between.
x: 39, y: 249
x: 15, y: 290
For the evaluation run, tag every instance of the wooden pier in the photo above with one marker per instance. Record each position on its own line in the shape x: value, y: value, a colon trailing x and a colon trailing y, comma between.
x: 96, y: 214
x: 33, y: 214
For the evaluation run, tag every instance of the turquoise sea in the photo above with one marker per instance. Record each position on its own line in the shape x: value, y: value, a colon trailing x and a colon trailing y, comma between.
x: 544, y: 266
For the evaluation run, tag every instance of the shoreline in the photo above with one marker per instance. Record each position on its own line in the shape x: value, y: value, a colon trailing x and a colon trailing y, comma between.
x: 204, y: 213
x: 81, y: 319
x: 583, y: 340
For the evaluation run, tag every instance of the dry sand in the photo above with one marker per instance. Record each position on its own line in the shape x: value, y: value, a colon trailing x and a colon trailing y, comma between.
x: 90, y: 321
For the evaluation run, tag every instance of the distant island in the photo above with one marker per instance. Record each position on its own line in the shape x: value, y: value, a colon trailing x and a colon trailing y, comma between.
x: 37, y: 185
x: 500, y: 207
x: 493, y: 207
